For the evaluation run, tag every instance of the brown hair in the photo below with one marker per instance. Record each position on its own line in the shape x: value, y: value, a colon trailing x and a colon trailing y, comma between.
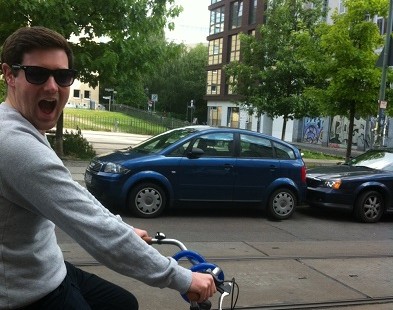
x: 27, y: 39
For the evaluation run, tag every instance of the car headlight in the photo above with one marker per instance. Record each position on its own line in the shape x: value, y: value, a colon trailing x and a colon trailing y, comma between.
x: 335, y: 184
x: 115, y: 168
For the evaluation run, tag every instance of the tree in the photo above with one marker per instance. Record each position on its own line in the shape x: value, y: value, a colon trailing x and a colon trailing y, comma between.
x: 348, y: 63
x: 111, y: 39
x: 272, y: 73
x: 180, y: 79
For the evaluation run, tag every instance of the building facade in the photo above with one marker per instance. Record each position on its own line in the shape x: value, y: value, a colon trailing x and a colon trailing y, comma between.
x: 229, y: 18
x: 82, y: 96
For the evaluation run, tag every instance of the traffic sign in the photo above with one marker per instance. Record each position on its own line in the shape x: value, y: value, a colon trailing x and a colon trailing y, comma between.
x: 154, y: 97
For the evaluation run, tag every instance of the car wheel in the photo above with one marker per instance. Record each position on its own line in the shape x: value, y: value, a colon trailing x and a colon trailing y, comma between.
x: 369, y: 207
x: 282, y: 204
x: 147, y: 200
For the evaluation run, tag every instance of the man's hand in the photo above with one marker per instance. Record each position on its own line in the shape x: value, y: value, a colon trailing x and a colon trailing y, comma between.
x: 202, y: 287
x: 143, y: 234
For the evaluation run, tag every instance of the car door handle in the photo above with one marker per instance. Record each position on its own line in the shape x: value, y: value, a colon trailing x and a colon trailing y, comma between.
x: 228, y: 166
x: 273, y: 167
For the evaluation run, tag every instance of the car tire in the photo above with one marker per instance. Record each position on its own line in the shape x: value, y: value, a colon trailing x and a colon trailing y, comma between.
x: 369, y: 207
x: 282, y: 204
x: 147, y: 200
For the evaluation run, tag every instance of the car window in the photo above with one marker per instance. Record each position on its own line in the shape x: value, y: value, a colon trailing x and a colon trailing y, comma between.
x: 374, y: 159
x: 215, y: 144
x: 283, y: 151
x: 255, y: 147
x: 158, y: 143
x: 179, y: 151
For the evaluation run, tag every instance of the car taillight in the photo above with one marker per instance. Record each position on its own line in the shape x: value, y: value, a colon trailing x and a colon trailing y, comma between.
x: 303, y: 174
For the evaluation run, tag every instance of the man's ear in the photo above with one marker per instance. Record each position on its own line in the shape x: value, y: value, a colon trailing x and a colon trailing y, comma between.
x: 8, y: 75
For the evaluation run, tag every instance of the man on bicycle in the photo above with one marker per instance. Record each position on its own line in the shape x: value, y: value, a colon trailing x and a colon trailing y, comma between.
x: 37, y: 193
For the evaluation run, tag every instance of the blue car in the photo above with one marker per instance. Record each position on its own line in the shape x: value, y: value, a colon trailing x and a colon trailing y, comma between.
x: 201, y: 165
x: 363, y: 185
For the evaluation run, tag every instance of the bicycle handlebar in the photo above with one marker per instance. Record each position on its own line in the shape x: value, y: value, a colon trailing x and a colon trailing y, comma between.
x: 199, y: 264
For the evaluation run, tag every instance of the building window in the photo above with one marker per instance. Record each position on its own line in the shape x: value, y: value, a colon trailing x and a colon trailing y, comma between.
x: 381, y: 25
x: 214, y: 1
x: 252, y: 18
x: 217, y: 20
x: 233, y: 117
x: 230, y: 85
x: 77, y: 93
x: 341, y: 7
x: 215, y: 52
x: 213, y: 82
x: 214, y: 116
x: 234, y: 52
x: 87, y: 94
x: 236, y: 14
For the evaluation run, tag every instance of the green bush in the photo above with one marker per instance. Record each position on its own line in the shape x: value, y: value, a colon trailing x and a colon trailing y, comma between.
x: 74, y: 145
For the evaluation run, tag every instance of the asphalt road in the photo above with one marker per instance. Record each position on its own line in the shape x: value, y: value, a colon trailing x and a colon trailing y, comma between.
x: 318, y: 259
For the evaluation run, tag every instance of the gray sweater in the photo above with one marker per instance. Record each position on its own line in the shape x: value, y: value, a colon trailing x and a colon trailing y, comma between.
x: 36, y: 193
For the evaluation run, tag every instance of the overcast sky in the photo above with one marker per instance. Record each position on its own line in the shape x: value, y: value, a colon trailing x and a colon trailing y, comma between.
x: 192, y: 25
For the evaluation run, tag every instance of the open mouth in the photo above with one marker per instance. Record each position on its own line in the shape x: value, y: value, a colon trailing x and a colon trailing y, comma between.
x: 47, y: 106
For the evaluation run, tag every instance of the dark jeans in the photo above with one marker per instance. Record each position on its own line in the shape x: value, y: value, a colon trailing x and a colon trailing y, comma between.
x: 81, y: 290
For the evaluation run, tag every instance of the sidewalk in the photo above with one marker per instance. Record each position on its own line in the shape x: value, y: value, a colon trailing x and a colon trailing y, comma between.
x: 273, y: 275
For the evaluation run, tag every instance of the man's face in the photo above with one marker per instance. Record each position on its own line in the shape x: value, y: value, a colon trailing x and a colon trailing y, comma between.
x: 41, y: 104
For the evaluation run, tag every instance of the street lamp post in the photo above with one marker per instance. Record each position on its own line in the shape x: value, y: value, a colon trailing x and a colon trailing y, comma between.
x: 190, y: 107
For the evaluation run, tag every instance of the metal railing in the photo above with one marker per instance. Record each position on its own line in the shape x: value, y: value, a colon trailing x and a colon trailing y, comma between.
x: 142, y: 122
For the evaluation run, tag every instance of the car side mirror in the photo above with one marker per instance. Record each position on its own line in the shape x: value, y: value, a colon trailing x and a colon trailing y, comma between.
x: 195, y: 153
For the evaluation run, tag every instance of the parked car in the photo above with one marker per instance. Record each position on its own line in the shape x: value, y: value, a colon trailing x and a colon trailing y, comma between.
x: 201, y: 165
x: 363, y: 185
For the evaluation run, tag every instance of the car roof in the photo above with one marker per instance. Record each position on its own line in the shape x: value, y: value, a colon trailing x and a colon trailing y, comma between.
x: 207, y: 129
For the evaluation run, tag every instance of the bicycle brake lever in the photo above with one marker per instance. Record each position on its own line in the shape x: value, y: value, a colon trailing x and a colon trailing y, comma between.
x: 224, y: 293
x: 224, y: 288
x: 220, y: 285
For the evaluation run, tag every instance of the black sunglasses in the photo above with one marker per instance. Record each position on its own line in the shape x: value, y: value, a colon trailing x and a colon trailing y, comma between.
x: 39, y: 75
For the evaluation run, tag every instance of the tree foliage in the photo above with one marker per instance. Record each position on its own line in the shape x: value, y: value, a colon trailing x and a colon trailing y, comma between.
x: 272, y: 73
x: 113, y: 41
x: 180, y: 79
x: 114, y: 36
x: 347, y: 62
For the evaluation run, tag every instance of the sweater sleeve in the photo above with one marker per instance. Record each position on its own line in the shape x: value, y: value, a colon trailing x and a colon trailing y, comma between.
x: 34, y: 178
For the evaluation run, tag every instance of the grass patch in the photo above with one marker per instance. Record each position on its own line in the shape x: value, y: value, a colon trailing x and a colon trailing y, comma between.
x: 99, y: 120
x: 319, y: 155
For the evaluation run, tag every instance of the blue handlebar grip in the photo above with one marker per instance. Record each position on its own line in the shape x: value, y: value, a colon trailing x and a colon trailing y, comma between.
x: 194, y: 257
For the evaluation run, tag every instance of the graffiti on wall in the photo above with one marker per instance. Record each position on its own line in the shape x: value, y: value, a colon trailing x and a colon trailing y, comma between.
x: 313, y: 130
x: 363, y: 132
x: 339, y: 128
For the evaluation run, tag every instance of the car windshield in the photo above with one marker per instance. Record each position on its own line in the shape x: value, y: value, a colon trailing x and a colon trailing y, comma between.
x: 375, y: 159
x: 157, y: 143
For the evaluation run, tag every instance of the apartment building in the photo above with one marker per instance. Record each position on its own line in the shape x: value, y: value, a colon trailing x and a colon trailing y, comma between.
x: 229, y: 18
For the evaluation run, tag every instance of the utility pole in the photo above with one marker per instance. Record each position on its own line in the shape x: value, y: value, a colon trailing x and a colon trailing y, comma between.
x: 382, y: 104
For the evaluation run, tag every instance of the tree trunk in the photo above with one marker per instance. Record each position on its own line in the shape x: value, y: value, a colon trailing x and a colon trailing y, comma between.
x: 350, y: 130
x: 259, y: 129
x: 59, y: 136
x: 284, y: 127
